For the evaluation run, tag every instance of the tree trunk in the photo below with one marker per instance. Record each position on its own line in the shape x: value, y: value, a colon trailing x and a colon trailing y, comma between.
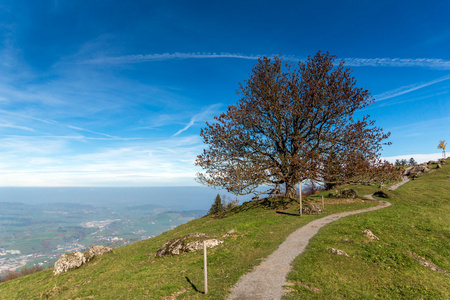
x: 291, y: 192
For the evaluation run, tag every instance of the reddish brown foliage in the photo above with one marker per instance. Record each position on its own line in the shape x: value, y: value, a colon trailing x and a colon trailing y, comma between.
x: 290, y: 122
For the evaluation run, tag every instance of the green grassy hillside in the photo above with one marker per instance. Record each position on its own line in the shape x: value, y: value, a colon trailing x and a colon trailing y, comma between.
x: 418, y: 221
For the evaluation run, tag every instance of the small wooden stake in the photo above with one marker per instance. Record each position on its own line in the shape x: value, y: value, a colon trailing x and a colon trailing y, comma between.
x: 300, y: 196
x: 323, y: 204
x: 205, y: 267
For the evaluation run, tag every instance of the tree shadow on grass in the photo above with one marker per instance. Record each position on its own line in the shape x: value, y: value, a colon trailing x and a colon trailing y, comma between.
x: 193, y: 286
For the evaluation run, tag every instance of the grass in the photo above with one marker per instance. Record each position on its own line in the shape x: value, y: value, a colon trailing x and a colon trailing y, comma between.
x: 133, y: 271
x: 418, y: 221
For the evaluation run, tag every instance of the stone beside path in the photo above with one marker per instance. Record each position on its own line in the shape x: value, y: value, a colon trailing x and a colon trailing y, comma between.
x: 266, y: 281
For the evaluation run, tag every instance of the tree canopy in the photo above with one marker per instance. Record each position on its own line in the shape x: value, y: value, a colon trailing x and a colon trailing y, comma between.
x: 292, y: 122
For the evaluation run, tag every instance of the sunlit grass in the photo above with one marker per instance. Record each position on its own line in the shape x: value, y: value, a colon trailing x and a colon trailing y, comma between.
x: 134, y: 270
x: 418, y: 221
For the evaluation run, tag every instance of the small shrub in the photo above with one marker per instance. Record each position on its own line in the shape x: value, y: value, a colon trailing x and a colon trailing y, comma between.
x: 10, y: 275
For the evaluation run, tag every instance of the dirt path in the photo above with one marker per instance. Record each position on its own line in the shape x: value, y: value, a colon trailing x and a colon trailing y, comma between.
x: 405, y: 179
x: 266, y: 281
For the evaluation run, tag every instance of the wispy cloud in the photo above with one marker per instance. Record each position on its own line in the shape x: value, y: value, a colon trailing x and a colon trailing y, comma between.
x: 17, y: 127
x: 434, y: 63
x: 141, y: 163
x: 389, y: 103
x: 90, y: 131
x: 198, y: 117
x: 191, y: 122
x: 138, y: 58
x: 408, y: 88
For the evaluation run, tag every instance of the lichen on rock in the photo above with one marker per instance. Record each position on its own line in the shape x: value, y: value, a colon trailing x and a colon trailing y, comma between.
x: 75, y: 260
x: 370, y: 235
x: 338, y: 252
x: 188, y: 243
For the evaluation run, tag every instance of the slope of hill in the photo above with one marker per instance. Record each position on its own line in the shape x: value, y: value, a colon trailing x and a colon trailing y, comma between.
x: 417, y: 222
x: 416, y: 225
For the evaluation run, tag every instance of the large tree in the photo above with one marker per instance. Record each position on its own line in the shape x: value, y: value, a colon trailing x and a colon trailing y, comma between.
x: 292, y: 122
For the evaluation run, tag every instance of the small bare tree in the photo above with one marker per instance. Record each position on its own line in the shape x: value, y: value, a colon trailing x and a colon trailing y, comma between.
x: 442, y: 145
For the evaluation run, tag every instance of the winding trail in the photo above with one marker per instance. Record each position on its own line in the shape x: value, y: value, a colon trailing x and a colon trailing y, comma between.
x: 266, y: 281
x: 405, y: 179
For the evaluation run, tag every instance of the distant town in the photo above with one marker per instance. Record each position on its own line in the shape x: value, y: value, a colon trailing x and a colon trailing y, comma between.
x: 36, y: 236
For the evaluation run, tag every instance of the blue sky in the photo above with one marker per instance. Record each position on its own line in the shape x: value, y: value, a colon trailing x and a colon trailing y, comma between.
x: 114, y: 93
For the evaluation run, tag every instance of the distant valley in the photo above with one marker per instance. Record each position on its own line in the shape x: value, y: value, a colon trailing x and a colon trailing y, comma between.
x: 37, y: 234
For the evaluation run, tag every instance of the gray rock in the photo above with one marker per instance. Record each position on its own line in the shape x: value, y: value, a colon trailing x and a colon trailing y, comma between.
x: 311, y: 208
x: 198, y: 245
x: 189, y: 243
x: 443, y: 161
x: 370, y: 235
x: 229, y: 233
x: 424, y: 262
x: 349, y: 193
x: 381, y: 194
x: 346, y: 193
x: 96, y: 251
x: 418, y: 171
x: 68, y: 262
x: 338, y: 252
x: 74, y: 260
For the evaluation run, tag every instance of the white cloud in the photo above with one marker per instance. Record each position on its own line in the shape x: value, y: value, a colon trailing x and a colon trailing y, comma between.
x: 408, y: 89
x: 16, y: 127
x: 434, y: 63
x: 420, y: 158
x: 138, y: 58
x: 140, y: 163
x: 199, y: 117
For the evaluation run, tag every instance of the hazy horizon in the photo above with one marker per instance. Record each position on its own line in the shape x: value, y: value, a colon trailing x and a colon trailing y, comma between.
x: 185, y: 198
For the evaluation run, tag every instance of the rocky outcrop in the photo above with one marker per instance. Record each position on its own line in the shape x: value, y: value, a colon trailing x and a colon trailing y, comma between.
x: 311, y: 209
x: 229, y: 233
x: 96, y: 251
x: 338, y: 252
x: 417, y: 171
x: 370, y: 235
x: 345, y: 193
x: 74, y: 260
x: 424, y: 262
x: 381, y: 194
x: 68, y: 262
x: 189, y: 243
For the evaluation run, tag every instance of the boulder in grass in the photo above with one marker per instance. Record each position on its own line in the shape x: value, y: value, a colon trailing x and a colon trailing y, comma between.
x: 68, y: 262
x: 311, y: 209
x: 338, y: 252
x: 370, y: 235
x: 96, y: 251
x: 418, y: 171
x: 189, y: 243
x: 381, y: 194
x: 349, y: 193
x: 75, y: 260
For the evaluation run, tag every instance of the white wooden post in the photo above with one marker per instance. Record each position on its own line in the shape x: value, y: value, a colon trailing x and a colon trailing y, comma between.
x: 323, y: 204
x: 205, y: 267
x: 300, y: 196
